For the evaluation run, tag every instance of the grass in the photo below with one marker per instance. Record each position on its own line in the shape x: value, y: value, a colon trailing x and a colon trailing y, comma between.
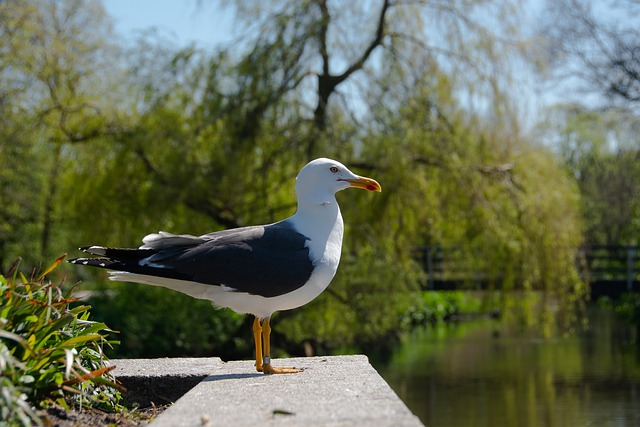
x: 50, y: 353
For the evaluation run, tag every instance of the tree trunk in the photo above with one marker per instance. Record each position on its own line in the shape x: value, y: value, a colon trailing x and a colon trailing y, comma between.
x: 48, y: 214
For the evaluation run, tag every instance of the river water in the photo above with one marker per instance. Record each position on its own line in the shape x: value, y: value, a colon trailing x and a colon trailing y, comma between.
x: 468, y: 374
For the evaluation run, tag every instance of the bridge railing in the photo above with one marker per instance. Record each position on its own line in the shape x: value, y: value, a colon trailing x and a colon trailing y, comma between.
x: 450, y: 267
x: 613, y: 264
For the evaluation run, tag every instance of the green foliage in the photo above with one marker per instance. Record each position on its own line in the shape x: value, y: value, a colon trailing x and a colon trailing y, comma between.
x: 190, y: 141
x: 628, y: 306
x: 504, y: 202
x: 156, y: 322
x: 360, y: 309
x: 601, y: 150
x: 20, y: 229
x: 50, y: 353
x: 439, y: 306
x: 55, y: 73
x: 15, y: 408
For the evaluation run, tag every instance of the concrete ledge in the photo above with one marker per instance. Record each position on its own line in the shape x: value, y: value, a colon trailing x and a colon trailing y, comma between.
x: 336, y: 391
x: 164, y: 380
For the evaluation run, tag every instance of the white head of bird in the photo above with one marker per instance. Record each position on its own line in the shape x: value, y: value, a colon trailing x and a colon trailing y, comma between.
x: 320, y: 179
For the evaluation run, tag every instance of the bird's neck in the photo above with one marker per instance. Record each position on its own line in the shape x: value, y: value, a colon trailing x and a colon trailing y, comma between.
x: 322, y: 213
x: 322, y: 224
x: 318, y: 217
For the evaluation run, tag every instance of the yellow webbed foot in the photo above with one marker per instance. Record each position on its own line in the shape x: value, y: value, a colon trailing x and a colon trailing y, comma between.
x: 262, y: 336
x: 268, y: 369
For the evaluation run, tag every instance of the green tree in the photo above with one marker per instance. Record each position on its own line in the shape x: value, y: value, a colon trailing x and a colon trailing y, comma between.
x: 594, y: 46
x: 220, y: 137
x: 19, y: 185
x: 54, y: 60
x: 601, y: 150
x: 412, y: 94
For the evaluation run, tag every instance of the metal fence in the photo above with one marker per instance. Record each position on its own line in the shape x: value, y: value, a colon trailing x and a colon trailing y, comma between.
x: 453, y: 267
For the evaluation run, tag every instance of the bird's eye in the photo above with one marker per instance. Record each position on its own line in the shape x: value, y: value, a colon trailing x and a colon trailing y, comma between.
x: 334, y: 169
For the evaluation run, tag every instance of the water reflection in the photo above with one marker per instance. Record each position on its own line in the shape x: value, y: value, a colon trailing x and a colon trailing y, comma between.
x: 468, y: 375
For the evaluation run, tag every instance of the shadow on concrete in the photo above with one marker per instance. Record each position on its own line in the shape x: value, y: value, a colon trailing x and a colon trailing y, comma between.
x: 222, y: 377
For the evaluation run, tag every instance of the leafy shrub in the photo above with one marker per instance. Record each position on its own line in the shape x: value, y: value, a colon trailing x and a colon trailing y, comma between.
x: 49, y: 353
x: 438, y: 306
x: 628, y: 306
x: 158, y: 322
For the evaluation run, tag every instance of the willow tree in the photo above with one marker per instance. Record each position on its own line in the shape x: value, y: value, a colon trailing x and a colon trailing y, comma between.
x: 597, y: 44
x: 365, y: 66
x: 414, y: 94
x: 600, y: 148
x: 54, y: 58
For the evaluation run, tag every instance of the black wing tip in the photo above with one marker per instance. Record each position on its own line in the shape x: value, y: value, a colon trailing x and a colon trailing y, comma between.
x: 92, y: 262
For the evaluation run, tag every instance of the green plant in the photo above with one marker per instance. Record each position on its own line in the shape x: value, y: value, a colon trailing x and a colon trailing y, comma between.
x: 627, y: 306
x: 168, y: 323
x: 49, y: 352
x: 439, y: 306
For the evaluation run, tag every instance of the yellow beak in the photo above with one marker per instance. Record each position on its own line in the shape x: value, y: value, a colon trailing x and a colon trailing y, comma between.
x: 365, y: 183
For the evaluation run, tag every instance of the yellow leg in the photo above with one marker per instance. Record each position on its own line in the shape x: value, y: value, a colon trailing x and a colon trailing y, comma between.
x: 266, y: 337
x: 257, y: 337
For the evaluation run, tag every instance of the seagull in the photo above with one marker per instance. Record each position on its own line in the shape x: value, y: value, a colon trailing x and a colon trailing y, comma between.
x: 257, y: 269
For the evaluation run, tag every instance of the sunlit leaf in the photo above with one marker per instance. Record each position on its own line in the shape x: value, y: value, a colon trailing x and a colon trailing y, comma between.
x: 51, y: 267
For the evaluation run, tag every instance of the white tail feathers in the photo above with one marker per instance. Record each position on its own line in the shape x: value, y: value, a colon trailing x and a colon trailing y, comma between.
x: 96, y: 250
x: 163, y: 240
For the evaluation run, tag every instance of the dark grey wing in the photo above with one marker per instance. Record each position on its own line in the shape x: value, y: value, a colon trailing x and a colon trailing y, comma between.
x: 266, y: 260
x: 262, y: 260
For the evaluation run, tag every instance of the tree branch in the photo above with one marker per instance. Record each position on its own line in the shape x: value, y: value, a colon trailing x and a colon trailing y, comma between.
x: 206, y: 206
x: 377, y: 41
x: 327, y: 82
x: 322, y: 36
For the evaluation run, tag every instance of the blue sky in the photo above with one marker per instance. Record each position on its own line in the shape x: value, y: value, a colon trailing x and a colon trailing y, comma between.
x: 207, y: 24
